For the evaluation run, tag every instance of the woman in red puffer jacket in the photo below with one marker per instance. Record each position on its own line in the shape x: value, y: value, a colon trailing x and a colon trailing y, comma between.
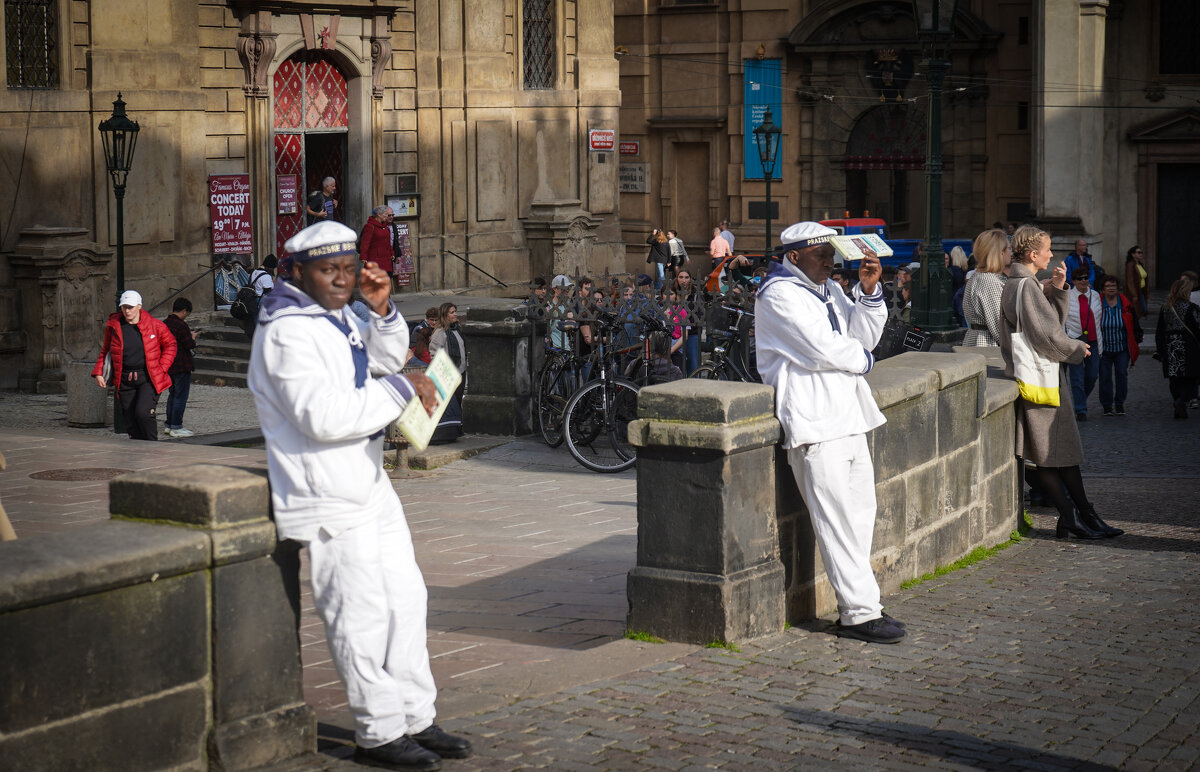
x: 142, y: 350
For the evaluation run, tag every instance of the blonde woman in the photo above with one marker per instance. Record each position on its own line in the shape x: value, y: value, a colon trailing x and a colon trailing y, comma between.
x: 1047, y: 435
x: 981, y: 298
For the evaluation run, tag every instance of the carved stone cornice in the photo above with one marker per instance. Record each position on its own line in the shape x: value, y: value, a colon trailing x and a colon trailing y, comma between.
x: 256, y: 49
x: 381, y: 53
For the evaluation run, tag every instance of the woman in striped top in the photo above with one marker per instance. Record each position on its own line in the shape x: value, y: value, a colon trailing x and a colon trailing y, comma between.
x: 1118, y: 345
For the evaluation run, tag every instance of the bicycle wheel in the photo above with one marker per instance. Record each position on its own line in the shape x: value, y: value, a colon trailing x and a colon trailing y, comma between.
x: 596, y: 425
x: 711, y: 372
x: 551, y: 399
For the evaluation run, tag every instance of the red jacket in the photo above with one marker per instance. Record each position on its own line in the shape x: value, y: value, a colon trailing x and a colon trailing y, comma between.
x: 157, y: 340
x: 377, y: 244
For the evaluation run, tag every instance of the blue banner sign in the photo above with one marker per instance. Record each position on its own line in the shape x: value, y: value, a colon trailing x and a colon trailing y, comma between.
x: 763, y: 83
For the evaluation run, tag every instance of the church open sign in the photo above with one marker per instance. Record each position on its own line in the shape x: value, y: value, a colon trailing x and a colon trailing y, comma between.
x: 229, y: 213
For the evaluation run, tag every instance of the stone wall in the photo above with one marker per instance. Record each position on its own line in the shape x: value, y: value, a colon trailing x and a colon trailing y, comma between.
x: 165, y: 638
x: 713, y: 484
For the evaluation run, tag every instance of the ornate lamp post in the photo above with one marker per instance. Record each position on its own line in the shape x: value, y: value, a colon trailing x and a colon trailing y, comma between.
x: 931, y: 293
x: 119, y: 136
x: 766, y: 136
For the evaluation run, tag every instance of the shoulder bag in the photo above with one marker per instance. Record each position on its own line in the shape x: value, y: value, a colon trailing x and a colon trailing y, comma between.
x: 1037, y: 376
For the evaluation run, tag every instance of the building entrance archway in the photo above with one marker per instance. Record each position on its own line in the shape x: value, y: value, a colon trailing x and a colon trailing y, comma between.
x: 884, y: 165
x: 311, y: 125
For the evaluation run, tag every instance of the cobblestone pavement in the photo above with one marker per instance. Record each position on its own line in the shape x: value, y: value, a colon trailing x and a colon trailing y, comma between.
x: 1050, y: 655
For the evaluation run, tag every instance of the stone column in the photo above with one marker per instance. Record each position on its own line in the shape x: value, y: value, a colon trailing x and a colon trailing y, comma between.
x: 499, y: 374
x: 256, y: 49
x: 259, y: 716
x: 708, y: 564
x: 66, y: 294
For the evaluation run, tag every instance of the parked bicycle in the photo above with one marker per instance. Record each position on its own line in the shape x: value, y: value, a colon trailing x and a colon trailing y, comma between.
x: 560, y: 377
x: 730, y: 359
x: 597, y: 417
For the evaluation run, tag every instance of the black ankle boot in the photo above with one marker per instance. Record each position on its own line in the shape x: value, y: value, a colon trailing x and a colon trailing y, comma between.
x: 1075, y: 526
x: 1089, y: 518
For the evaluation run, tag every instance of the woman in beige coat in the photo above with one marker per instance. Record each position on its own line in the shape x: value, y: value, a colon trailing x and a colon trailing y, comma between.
x: 1046, y: 435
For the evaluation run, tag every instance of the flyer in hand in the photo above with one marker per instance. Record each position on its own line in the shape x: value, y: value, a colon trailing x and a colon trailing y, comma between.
x: 414, y: 423
x: 852, y: 247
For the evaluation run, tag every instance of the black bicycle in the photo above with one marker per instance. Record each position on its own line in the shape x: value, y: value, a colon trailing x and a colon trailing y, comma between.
x: 597, y: 417
x: 730, y: 359
x: 561, y: 376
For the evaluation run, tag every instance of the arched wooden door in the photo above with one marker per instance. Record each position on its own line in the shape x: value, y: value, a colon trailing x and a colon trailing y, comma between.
x: 312, y: 118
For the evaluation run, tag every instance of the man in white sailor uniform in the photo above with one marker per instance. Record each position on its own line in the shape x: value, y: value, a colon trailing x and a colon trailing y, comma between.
x: 323, y: 416
x: 814, y: 347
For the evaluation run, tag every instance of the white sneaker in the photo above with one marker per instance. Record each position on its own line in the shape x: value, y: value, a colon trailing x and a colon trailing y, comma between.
x: 182, y: 433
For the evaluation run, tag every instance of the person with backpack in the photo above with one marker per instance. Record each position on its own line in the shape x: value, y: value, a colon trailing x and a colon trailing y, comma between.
x: 245, y: 305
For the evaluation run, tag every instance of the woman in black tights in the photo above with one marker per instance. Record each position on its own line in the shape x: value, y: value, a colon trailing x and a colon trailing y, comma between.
x: 1047, y: 435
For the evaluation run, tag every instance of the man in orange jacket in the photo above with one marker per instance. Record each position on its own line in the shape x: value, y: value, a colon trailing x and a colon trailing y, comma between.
x: 142, y: 350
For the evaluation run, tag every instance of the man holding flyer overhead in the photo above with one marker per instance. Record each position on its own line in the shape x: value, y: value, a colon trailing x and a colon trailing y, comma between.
x: 323, y: 416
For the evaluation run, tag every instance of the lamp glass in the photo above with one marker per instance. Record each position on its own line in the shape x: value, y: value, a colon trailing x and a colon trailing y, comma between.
x: 766, y: 137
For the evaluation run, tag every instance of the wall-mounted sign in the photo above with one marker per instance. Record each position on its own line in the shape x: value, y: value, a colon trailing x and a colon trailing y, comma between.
x: 602, y: 139
x: 761, y: 92
x: 631, y: 178
x: 229, y: 213
x: 402, y: 264
x: 287, y: 193
x: 404, y: 206
x: 631, y: 147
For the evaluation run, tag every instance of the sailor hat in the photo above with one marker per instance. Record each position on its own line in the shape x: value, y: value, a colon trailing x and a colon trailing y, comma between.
x: 325, y: 239
x: 804, y: 234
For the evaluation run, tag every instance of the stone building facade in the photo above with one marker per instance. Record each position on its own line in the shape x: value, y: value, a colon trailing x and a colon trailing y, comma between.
x: 1077, y: 114
x: 471, y: 116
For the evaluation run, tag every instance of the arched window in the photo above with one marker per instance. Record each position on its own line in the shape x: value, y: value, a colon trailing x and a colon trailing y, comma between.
x: 537, y: 40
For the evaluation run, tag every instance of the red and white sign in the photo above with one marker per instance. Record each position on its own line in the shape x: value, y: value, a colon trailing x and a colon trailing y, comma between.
x: 631, y: 148
x: 602, y: 139
x: 229, y: 213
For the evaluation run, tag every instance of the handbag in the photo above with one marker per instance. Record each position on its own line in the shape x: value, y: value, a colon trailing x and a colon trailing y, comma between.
x: 1037, y: 375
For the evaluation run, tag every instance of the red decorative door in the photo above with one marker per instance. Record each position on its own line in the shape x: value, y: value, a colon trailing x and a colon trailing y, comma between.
x: 312, y: 115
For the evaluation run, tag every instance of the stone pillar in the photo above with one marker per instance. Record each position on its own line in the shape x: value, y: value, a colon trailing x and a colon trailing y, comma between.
x: 708, y: 564
x: 561, y: 236
x: 259, y: 716
x: 66, y: 294
x: 256, y: 50
x: 499, y: 374
x: 88, y: 405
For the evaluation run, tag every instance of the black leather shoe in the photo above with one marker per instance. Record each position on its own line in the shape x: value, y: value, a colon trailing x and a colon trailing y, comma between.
x: 1092, y: 520
x: 1075, y: 527
x: 448, y: 746
x: 404, y: 754
x: 882, y: 616
x: 873, y: 631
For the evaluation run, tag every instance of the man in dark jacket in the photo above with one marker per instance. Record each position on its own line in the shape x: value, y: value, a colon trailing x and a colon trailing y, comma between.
x: 181, y: 369
x: 142, y: 350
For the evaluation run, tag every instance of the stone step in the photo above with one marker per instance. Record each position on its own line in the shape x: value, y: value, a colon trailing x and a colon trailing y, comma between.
x: 233, y: 349
x: 218, y: 378
x: 231, y: 334
x: 218, y: 364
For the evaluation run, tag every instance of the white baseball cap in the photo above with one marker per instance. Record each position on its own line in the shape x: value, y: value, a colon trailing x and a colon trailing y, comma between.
x: 561, y: 281
x: 130, y: 298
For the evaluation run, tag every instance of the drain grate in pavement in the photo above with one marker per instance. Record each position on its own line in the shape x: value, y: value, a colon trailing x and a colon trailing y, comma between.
x: 79, y: 475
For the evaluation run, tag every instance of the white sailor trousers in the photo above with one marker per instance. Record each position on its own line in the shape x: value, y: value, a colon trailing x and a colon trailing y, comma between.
x: 837, y: 480
x: 370, y: 593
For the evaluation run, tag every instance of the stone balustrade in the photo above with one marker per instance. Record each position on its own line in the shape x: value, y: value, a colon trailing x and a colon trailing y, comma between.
x: 725, y: 545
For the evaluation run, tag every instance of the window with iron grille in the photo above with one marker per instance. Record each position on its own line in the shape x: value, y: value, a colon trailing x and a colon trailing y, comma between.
x: 31, y: 31
x: 538, y: 37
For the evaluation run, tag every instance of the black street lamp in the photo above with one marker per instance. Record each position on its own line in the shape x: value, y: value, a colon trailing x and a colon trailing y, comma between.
x: 119, y: 137
x: 766, y: 136
x: 931, y: 293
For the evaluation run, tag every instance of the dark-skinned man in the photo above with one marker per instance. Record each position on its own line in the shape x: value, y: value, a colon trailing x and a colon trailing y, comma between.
x: 325, y: 384
x: 814, y: 347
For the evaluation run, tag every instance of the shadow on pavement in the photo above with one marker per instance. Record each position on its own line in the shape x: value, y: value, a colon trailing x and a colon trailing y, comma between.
x: 949, y: 745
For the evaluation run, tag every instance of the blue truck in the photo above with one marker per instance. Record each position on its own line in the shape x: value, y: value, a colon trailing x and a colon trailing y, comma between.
x: 906, y: 250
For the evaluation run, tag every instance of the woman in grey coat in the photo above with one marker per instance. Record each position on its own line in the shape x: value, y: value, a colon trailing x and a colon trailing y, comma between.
x: 1047, y: 435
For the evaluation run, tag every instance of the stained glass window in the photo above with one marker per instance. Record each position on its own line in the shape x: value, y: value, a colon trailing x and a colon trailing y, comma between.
x: 537, y: 26
x: 31, y: 31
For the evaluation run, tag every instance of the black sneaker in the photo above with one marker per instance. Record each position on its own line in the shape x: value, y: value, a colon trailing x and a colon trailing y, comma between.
x: 1081, y: 417
x: 1108, y: 411
x: 882, y: 616
x: 448, y: 746
x: 873, y: 631
x: 403, y: 753
x: 1120, y: 410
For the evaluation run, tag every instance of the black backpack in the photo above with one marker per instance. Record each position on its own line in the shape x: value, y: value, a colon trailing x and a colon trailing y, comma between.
x: 245, y: 305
